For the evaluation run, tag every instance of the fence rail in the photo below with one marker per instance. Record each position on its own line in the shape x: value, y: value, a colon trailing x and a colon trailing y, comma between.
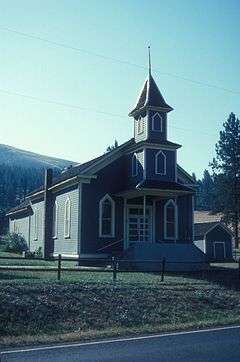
x: 113, y: 265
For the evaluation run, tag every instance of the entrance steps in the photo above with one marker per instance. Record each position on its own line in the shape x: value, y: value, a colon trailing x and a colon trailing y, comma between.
x: 178, y: 256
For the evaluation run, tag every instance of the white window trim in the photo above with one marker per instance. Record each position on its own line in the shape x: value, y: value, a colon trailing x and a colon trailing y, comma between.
x: 214, y: 250
x: 14, y: 226
x: 55, y: 231
x: 164, y: 163
x: 134, y: 165
x: 112, y: 235
x: 140, y: 127
x: 67, y: 233
x: 153, y: 123
x: 36, y: 221
x: 175, y: 237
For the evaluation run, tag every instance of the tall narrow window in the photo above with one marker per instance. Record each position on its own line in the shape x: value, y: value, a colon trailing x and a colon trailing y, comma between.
x: 160, y: 163
x: 157, y: 122
x: 36, y: 217
x: 67, y: 218
x: 55, y: 221
x: 140, y: 125
x: 15, y: 226
x: 170, y: 220
x: 106, y: 217
x: 134, y: 165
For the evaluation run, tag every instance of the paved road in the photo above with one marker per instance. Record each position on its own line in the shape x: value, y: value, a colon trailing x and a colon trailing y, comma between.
x: 216, y: 345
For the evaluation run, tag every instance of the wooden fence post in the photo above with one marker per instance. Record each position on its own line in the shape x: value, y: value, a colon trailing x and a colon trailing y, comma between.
x: 59, y: 266
x: 239, y: 268
x: 114, y: 268
x: 163, y: 269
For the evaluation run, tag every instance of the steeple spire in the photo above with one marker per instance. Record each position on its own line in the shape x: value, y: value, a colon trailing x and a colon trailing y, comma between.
x: 149, y: 61
x: 150, y: 95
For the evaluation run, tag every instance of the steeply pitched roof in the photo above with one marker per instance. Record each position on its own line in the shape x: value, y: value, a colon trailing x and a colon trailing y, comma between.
x: 200, y: 229
x: 151, y: 96
x: 81, y: 168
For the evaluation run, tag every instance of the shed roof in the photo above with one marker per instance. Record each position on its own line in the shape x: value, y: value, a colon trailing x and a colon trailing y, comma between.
x: 201, y: 229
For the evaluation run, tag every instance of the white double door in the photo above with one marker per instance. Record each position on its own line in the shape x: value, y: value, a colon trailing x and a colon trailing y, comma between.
x: 137, y: 229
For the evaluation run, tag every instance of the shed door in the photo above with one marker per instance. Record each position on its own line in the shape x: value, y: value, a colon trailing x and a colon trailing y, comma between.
x: 219, y: 250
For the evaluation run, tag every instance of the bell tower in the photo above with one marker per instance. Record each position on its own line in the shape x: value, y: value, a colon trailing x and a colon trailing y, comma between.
x: 150, y: 112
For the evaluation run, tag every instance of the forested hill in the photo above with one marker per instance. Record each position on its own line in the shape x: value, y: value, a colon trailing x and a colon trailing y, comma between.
x: 11, y: 156
x: 23, y: 171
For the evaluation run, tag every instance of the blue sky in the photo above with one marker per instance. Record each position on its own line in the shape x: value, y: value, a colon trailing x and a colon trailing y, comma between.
x: 190, y: 39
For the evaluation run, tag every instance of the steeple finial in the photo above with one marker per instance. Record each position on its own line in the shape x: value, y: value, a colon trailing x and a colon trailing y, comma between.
x: 149, y: 60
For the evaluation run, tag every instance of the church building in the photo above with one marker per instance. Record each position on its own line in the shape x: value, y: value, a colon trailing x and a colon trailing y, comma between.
x: 132, y: 201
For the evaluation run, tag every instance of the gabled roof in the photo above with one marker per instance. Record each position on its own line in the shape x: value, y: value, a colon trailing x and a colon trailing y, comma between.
x: 150, y: 96
x: 185, y: 176
x: 201, y: 229
x: 89, y: 168
x: 23, y: 206
x: 78, y: 170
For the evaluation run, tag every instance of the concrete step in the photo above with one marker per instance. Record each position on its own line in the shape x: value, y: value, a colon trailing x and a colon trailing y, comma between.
x: 178, y: 256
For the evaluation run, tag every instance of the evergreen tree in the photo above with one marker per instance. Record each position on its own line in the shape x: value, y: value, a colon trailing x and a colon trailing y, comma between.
x: 205, y: 192
x: 226, y: 168
x: 112, y: 147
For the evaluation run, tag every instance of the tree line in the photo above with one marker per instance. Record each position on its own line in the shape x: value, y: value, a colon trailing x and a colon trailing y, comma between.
x: 219, y: 191
x: 15, y: 184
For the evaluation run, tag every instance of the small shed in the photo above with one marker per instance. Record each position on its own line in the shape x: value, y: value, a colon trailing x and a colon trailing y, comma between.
x: 214, y: 239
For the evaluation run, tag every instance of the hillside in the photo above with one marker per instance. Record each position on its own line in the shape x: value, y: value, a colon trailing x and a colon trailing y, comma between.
x: 21, y: 172
x: 11, y: 156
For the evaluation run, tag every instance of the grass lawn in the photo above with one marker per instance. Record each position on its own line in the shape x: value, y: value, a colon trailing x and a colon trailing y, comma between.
x: 35, y: 308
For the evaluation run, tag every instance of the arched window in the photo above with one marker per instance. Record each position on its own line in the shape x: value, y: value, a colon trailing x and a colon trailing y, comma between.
x: 67, y: 218
x: 55, y: 221
x: 170, y: 220
x: 140, y: 125
x: 106, y: 217
x: 36, y: 220
x: 134, y: 165
x: 160, y: 163
x: 157, y: 122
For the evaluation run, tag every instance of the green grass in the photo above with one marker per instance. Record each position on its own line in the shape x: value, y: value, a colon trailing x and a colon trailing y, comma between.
x: 35, y: 308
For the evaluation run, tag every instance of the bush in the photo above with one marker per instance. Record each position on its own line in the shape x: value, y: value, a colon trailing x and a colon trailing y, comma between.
x: 34, y: 254
x: 14, y: 243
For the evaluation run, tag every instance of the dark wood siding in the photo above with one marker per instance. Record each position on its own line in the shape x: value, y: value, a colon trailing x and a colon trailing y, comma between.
x: 111, y: 180
x: 218, y: 234
x: 156, y: 136
x: 170, y: 165
x: 185, y: 229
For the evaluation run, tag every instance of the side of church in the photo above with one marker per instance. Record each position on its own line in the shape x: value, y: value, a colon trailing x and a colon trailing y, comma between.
x: 135, y: 197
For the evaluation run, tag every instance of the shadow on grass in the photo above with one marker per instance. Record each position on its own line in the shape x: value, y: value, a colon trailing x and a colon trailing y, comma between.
x: 227, y: 276
x: 9, y: 276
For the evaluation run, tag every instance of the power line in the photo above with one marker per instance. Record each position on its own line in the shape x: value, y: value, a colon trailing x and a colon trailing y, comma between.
x: 68, y: 105
x: 121, y: 61
x: 73, y: 106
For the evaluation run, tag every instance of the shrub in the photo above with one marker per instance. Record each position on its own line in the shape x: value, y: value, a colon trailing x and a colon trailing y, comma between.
x: 34, y: 254
x: 15, y: 243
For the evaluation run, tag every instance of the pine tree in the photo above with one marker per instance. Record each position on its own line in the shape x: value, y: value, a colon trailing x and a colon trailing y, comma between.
x: 205, y: 192
x: 226, y: 167
x: 112, y: 147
